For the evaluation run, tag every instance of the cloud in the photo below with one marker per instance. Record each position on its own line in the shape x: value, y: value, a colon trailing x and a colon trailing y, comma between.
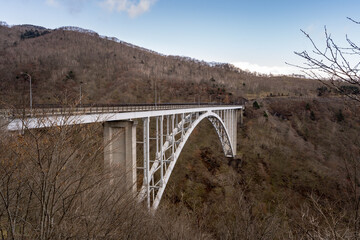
x: 275, y: 70
x: 133, y: 8
x: 52, y: 3
x: 73, y: 6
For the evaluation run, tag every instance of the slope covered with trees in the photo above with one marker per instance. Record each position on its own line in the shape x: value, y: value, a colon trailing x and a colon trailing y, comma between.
x: 296, y: 174
x: 111, y: 71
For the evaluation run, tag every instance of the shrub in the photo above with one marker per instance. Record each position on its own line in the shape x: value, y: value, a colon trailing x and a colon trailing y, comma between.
x: 256, y: 105
x: 32, y: 34
x: 339, y: 116
x: 266, y: 115
x: 322, y: 90
x: 350, y: 89
x: 312, y: 116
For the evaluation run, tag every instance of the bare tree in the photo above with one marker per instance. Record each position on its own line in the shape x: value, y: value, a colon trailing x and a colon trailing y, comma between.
x: 335, y: 66
x: 44, y: 173
x: 318, y: 219
x: 54, y: 185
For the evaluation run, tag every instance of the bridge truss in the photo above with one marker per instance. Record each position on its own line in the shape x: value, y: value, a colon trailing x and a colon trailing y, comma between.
x: 171, y: 134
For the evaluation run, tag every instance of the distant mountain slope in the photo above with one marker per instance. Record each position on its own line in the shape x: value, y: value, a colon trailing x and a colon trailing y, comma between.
x: 112, y: 71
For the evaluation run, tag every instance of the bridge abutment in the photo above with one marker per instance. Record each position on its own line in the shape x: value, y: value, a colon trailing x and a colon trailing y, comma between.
x: 120, y: 153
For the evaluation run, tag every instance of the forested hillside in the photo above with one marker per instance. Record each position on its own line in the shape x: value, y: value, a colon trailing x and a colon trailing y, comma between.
x: 295, y: 176
x: 111, y: 71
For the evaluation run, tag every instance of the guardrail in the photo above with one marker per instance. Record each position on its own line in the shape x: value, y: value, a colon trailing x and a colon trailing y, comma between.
x: 55, y: 110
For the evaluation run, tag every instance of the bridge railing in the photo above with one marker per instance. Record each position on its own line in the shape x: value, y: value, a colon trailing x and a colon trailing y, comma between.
x: 42, y: 110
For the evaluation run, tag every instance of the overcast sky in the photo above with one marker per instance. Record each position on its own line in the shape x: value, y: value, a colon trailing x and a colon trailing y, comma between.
x: 258, y: 35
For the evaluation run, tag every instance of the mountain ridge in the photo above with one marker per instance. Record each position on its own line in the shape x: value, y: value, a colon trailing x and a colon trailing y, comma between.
x: 111, y: 71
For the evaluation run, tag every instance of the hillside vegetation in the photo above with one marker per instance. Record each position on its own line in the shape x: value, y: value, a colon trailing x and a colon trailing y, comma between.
x: 295, y: 176
x: 111, y: 71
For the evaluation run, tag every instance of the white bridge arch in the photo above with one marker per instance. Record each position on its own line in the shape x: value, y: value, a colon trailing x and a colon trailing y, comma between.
x: 169, y: 147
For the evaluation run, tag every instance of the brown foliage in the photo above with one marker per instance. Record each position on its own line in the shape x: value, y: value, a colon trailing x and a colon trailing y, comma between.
x: 294, y: 178
x: 117, y: 72
x: 53, y: 185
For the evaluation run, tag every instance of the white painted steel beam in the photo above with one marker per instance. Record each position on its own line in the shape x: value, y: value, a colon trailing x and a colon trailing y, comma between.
x: 43, y: 122
x: 146, y: 138
x: 161, y: 169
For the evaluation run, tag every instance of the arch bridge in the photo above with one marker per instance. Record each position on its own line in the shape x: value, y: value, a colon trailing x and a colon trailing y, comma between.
x: 166, y: 129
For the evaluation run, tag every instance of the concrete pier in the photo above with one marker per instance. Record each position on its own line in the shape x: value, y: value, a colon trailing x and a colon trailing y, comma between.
x: 120, y: 153
x: 234, y: 132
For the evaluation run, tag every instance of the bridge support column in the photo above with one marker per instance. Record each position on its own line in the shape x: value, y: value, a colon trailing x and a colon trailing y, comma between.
x: 235, y: 121
x: 120, y: 154
x: 241, y: 116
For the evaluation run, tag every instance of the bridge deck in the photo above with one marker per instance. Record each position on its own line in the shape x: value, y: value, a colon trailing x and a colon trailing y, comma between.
x: 41, y: 118
x: 52, y: 110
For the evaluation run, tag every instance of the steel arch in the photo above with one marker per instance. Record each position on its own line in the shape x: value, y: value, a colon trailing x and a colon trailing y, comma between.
x: 154, y: 186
